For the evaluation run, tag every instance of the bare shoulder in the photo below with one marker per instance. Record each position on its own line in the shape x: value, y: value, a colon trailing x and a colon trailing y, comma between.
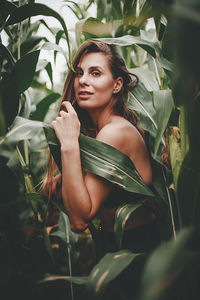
x: 122, y: 135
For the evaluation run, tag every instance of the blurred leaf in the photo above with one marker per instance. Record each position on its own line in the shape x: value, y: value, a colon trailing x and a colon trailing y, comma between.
x: 35, y: 9
x: 5, y: 53
x: 147, y: 77
x: 76, y: 280
x: 92, y: 27
x: 49, y: 72
x: 103, y: 160
x: 108, y: 268
x: 54, y: 47
x: 128, y: 40
x: 43, y: 106
x: 22, y: 129
x: 129, y: 11
x: 122, y: 214
x: 41, y: 64
x: 175, y: 156
x: 141, y: 101
x: 163, y: 102
x: 165, y: 266
x: 29, y: 44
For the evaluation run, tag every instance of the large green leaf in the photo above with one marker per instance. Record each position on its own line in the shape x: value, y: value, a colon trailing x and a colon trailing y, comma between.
x: 142, y: 102
x: 122, y: 214
x: 171, y: 271
x: 128, y: 40
x: 103, y: 160
x: 17, y: 82
x: 147, y: 77
x: 108, y: 268
x: 35, y: 9
x: 22, y: 129
x: 43, y: 106
x: 163, y: 102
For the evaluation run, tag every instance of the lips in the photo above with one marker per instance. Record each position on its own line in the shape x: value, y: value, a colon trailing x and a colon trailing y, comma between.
x: 84, y: 95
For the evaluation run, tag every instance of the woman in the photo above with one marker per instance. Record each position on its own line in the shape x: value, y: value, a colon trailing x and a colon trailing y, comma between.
x: 94, y: 102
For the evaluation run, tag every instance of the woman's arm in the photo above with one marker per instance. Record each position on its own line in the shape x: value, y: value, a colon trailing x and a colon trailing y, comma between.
x: 82, y: 196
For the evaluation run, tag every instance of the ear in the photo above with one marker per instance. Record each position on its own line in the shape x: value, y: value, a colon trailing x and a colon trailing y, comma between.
x: 118, y: 85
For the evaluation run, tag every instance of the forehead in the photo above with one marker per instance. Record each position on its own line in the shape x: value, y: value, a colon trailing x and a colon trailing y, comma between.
x: 97, y: 59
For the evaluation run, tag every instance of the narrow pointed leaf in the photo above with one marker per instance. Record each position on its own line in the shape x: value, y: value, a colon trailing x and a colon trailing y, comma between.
x: 43, y: 106
x: 163, y: 103
x: 121, y: 216
x: 54, y: 47
x: 147, y: 77
x: 22, y: 129
x: 103, y: 160
x: 76, y: 280
x: 109, y: 267
x: 141, y: 101
x: 35, y: 9
x: 128, y: 40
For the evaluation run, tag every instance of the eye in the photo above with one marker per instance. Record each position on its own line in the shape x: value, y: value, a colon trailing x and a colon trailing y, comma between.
x: 96, y: 73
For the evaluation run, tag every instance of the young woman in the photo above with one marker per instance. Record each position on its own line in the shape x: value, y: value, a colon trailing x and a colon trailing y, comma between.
x: 94, y: 102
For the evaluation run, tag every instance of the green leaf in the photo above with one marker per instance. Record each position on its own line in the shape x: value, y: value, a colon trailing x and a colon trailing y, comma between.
x: 54, y: 47
x: 163, y: 102
x: 29, y: 44
x: 175, y: 157
x: 166, y: 265
x: 6, y: 54
x: 76, y: 280
x: 35, y: 9
x: 121, y: 216
x: 22, y: 75
x: 141, y: 101
x: 129, y: 40
x: 104, y: 160
x: 22, y: 129
x: 43, y: 106
x: 147, y: 77
x: 108, y: 268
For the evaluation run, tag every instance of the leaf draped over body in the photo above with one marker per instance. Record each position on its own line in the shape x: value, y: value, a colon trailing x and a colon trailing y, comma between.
x: 103, y: 160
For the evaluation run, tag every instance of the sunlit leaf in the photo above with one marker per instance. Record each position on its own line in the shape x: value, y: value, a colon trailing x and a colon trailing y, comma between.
x: 43, y: 106
x: 54, y: 47
x: 28, y: 10
x: 128, y: 40
x: 103, y: 160
x: 77, y: 279
x: 111, y: 265
x: 165, y: 265
x: 122, y: 214
x: 22, y: 129
x: 163, y: 102
x: 147, y: 77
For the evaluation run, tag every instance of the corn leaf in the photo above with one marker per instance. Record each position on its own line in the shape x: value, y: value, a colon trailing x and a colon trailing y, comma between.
x: 121, y: 216
x: 103, y: 160
x: 26, y: 11
x: 108, y: 268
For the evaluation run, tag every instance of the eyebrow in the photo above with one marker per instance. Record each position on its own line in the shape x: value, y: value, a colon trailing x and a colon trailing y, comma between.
x: 91, y: 68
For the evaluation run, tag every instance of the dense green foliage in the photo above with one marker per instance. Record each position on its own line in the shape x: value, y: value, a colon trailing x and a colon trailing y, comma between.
x: 165, y: 57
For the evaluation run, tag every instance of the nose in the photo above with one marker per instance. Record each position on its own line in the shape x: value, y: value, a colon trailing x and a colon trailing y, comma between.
x: 83, y: 80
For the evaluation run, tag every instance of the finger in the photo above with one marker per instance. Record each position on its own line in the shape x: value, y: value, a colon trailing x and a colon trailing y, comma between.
x: 62, y: 113
x: 69, y: 107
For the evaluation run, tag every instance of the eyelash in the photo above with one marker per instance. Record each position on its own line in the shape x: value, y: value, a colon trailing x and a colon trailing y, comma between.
x: 94, y: 73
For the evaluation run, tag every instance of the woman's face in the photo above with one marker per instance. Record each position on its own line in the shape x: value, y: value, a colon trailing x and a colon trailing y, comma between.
x: 94, y: 84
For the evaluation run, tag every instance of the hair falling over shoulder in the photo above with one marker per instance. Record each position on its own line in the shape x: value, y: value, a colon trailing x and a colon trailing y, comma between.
x: 118, y: 69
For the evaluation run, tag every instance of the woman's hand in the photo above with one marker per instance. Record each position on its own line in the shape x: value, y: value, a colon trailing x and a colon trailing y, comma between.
x: 67, y: 126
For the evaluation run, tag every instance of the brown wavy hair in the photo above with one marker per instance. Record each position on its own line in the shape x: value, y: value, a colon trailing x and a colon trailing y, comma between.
x: 118, y: 69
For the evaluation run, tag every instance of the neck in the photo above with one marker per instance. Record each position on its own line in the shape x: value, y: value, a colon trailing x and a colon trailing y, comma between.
x: 101, y: 117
